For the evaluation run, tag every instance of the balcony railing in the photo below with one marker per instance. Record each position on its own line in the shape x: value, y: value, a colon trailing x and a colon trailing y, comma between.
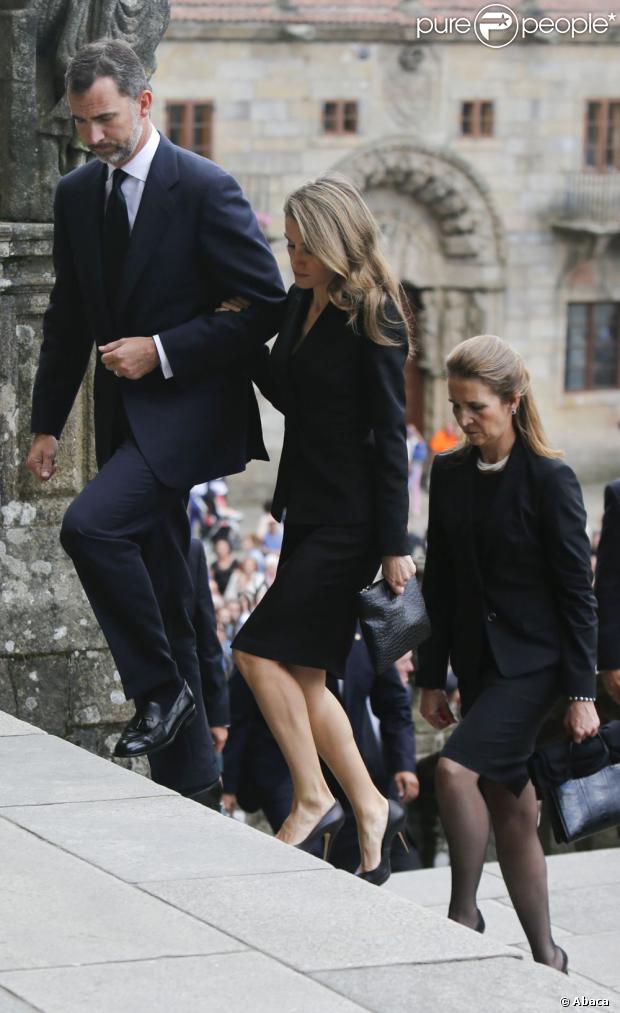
x: 590, y: 199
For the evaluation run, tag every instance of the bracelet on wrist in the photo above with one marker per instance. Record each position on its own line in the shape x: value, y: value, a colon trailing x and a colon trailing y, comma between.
x: 579, y: 699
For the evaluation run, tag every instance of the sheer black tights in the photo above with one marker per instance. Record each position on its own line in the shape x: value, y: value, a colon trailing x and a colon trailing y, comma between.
x: 464, y: 806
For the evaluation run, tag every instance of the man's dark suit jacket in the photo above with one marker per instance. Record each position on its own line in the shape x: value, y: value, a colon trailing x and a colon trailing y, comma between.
x: 390, y: 702
x: 344, y: 458
x: 195, y: 241
x: 532, y: 591
x: 254, y: 768
x: 210, y: 658
x: 607, y: 583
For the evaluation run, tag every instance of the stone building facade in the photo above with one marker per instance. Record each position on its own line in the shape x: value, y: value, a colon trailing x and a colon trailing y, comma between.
x: 496, y: 226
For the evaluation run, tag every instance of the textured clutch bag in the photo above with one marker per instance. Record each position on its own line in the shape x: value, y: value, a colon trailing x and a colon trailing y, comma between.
x: 580, y: 806
x: 585, y: 805
x: 392, y: 624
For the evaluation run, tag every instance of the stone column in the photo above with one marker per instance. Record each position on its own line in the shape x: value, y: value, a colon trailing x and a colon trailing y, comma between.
x: 55, y: 669
x: 19, y: 156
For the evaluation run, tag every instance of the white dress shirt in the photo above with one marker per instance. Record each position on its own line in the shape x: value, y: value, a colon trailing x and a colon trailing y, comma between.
x: 137, y: 169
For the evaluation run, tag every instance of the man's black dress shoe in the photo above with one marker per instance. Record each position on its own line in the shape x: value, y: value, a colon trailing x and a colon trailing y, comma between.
x: 154, y: 728
x: 211, y: 796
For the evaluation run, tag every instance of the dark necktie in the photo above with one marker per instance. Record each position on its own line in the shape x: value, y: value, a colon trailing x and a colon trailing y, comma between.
x: 115, y: 239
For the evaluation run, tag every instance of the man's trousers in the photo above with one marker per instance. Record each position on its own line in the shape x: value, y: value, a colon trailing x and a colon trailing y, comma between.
x: 128, y: 536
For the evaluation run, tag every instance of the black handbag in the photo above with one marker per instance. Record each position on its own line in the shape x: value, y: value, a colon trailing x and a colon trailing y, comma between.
x: 392, y: 624
x: 581, y: 806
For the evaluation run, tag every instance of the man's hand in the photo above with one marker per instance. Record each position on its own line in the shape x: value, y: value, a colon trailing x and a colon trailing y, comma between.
x: 397, y: 570
x: 611, y: 682
x: 229, y: 802
x: 434, y: 708
x: 407, y: 785
x: 236, y: 303
x: 581, y: 720
x: 219, y: 736
x: 131, y: 358
x: 41, y: 460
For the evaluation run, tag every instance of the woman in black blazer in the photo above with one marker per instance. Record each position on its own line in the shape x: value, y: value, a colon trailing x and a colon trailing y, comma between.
x: 508, y: 587
x: 336, y: 372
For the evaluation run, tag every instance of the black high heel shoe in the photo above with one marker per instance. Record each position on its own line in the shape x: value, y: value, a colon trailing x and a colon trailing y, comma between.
x: 327, y: 828
x: 564, y: 967
x: 480, y: 925
x: 395, y: 826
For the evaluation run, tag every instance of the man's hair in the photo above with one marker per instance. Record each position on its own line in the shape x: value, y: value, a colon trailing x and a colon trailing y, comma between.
x: 106, y: 58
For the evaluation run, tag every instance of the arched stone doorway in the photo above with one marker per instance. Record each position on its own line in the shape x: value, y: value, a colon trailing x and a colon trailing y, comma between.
x: 415, y: 374
x: 444, y: 240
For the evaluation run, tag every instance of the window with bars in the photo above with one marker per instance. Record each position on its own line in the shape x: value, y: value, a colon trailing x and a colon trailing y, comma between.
x: 593, y: 346
x: 477, y: 119
x: 603, y: 135
x: 190, y: 125
x: 340, y: 116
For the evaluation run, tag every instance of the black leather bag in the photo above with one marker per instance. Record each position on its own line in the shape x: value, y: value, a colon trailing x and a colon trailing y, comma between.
x: 581, y: 806
x: 392, y: 624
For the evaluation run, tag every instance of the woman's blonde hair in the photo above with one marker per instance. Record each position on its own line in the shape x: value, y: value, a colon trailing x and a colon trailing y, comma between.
x: 493, y: 362
x: 338, y: 228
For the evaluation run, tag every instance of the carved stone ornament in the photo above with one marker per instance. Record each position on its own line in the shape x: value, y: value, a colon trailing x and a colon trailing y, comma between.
x: 468, y: 226
x: 37, y: 38
x: 411, y: 58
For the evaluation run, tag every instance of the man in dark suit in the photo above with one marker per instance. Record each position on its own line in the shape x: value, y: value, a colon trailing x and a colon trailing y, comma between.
x: 148, y: 241
x: 379, y: 709
x: 255, y: 772
x: 210, y: 654
x: 607, y: 588
x: 212, y: 686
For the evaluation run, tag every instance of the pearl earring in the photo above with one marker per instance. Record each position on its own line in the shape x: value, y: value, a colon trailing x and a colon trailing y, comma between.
x: 514, y: 411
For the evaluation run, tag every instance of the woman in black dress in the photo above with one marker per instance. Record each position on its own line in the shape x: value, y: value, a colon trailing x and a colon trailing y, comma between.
x: 336, y: 372
x: 508, y: 587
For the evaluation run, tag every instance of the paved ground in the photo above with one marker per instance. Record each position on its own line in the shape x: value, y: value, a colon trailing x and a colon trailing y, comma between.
x: 585, y: 899
x: 116, y: 894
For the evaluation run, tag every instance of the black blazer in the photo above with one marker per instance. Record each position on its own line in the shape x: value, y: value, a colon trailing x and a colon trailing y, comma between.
x: 195, y: 241
x: 344, y: 457
x: 532, y: 591
x: 607, y: 582
x: 390, y: 702
x: 210, y: 657
x: 254, y: 767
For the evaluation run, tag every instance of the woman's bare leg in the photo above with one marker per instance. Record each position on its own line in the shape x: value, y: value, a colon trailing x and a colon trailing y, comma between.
x: 283, y: 706
x: 465, y: 819
x: 336, y: 744
x: 523, y: 865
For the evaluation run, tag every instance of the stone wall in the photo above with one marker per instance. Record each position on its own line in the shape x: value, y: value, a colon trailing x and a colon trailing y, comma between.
x: 55, y: 669
x: 512, y: 262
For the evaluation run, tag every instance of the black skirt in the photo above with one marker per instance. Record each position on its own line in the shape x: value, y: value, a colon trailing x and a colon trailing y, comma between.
x: 501, y: 718
x: 308, y: 615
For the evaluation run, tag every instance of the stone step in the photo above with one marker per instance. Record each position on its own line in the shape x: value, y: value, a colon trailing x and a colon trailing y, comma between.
x: 118, y: 894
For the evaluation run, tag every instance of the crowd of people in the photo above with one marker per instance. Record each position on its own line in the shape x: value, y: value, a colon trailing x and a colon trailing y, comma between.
x: 242, y: 567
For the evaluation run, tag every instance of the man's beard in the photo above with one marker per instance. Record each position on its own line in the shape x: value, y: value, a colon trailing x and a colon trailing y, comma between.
x: 116, y: 152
